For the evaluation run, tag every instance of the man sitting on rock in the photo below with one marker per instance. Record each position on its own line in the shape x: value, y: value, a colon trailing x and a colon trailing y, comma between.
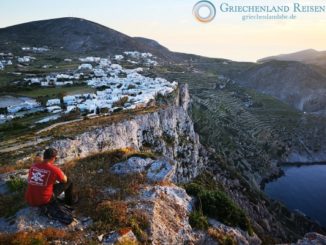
x: 43, y: 191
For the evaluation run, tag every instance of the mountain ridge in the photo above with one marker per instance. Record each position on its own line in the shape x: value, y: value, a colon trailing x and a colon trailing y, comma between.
x: 79, y: 36
x: 293, y: 82
x: 312, y: 57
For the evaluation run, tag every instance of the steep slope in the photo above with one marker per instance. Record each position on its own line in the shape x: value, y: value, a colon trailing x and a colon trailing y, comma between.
x: 78, y: 36
x: 251, y: 133
x: 125, y: 173
x: 292, y: 82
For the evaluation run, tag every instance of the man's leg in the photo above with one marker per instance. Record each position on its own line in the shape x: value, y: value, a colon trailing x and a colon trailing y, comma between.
x: 67, y: 188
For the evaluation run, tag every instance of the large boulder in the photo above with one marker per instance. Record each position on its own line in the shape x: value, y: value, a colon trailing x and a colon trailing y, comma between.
x: 134, y: 165
x: 236, y: 234
x: 160, y: 171
x: 31, y: 219
x: 169, y: 208
x: 312, y: 238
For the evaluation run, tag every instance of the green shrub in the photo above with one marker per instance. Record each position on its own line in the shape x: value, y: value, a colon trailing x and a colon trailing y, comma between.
x: 168, y: 138
x: 198, y: 220
x: 10, y: 204
x: 217, y: 204
x: 16, y: 184
x: 193, y: 189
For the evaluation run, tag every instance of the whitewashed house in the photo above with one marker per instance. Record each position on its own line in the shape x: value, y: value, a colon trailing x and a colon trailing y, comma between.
x: 54, y: 109
x: 24, y: 106
x: 70, y: 100
x: 85, y: 67
x: 118, y: 57
x: 53, y: 102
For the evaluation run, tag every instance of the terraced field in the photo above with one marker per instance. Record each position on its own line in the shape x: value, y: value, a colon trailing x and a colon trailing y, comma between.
x: 247, y: 129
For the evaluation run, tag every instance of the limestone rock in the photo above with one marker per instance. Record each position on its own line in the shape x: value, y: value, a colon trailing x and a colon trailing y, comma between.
x: 132, y: 166
x: 4, y: 178
x: 168, y: 132
x: 121, y: 237
x: 169, y: 208
x: 312, y: 238
x: 30, y: 218
x: 160, y: 171
x: 237, y: 234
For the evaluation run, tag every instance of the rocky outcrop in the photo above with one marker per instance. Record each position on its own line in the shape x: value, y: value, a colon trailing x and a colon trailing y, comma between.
x: 311, y: 239
x: 169, y: 208
x: 237, y: 235
x: 168, y: 132
x: 121, y: 237
x: 157, y: 170
x: 30, y: 218
x: 294, y: 83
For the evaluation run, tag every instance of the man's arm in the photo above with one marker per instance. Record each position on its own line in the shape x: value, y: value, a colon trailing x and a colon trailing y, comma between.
x: 65, y: 179
x: 61, y: 177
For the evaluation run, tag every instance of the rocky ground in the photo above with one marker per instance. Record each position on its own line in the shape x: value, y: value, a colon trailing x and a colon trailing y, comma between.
x: 133, y: 175
x: 165, y: 206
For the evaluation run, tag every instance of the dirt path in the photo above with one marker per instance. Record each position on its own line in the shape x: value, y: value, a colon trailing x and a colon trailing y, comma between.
x: 27, y: 144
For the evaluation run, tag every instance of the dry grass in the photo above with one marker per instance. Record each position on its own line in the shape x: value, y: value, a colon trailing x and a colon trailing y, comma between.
x: 91, y: 175
x: 74, y: 128
x: 109, y: 212
x: 11, y: 168
x: 110, y: 215
x: 221, y: 237
x: 37, y: 237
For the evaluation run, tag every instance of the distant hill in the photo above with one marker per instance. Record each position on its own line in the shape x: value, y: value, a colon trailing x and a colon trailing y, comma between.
x: 78, y: 36
x: 292, y: 82
x: 309, y: 56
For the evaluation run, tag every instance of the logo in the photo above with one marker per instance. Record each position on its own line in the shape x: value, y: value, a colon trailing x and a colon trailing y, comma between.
x: 39, y: 177
x: 204, y: 11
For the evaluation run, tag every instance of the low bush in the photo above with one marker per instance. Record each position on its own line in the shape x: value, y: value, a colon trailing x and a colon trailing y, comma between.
x: 214, y: 203
x: 217, y: 204
x: 16, y: 184
x: 198, y: 220
x: 10, y: 204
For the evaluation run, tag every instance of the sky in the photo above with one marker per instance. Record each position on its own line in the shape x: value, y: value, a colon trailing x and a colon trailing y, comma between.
x: 172, y: 23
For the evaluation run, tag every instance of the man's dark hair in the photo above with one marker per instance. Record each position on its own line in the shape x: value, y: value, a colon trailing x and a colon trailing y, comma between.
x: 49, y: 153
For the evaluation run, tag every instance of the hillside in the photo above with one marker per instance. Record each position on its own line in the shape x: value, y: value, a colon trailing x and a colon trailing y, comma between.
x: 309, y: 56
x: 77, y: 36
x: 295, y: 83
x: 301, y: 56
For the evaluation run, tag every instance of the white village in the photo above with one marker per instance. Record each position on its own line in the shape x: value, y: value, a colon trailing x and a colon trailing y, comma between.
x: 115, y: 88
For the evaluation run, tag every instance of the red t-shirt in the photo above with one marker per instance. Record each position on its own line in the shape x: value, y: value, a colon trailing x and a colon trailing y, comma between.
x: 41, y: 179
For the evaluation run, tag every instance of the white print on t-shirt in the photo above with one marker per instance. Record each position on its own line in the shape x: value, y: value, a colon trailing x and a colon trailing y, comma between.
x: 39, y: 176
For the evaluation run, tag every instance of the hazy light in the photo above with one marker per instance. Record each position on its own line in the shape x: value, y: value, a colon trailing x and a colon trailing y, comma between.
x: 173, y: 24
